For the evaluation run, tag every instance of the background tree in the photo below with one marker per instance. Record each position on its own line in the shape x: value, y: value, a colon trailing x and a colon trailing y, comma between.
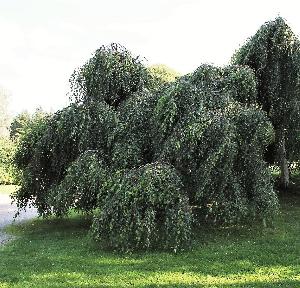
x: 7, y: 147
x: 4, y: 114
x: 22, y: 121
x: 274, y: 54
x: 18, y: 124
x: 162, y: 74
x: 7, y: 172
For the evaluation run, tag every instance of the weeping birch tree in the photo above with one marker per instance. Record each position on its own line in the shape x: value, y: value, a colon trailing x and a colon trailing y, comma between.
x: 274, y: 54
x: 149, y: 161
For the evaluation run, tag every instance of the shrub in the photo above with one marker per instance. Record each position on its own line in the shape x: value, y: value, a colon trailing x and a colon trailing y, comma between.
x: 144, y: 208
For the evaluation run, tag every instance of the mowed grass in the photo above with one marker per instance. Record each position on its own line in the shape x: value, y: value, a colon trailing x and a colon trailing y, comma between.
x: 58, y: 253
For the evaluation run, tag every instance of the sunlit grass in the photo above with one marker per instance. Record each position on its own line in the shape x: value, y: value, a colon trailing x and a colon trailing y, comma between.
x: 59, y: 253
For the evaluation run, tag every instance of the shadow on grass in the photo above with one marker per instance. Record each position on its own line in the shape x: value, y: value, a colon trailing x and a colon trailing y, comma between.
x: 58, y: 253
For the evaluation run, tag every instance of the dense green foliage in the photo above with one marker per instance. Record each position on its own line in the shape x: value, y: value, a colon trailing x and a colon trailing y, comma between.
x: 145, y: 208
x: 133, y: 145
x: 217, y: 144
x: 23, y: 120
x: 274, y: 54
x: 7, y: 173
x: 111, y: 75
x: 150, y: 161
x: 81, y: 186
x: 20, y: 124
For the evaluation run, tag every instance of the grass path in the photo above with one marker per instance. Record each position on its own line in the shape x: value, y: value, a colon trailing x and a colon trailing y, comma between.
x: 58, y: 253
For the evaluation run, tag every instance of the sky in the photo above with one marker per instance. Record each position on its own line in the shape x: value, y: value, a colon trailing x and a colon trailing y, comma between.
x: 43, y: 41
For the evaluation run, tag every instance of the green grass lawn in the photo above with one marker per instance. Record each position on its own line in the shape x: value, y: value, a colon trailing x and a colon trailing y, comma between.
x: 58, y: 253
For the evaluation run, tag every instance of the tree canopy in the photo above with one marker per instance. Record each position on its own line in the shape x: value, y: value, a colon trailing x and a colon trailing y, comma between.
x: 111, y: 75
x: 274, y: 55
x: 150, y: 163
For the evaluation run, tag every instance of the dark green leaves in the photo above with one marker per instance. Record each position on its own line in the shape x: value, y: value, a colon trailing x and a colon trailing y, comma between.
x: 145, y: 208
x: 274, y: 53
x: 140, y: 157
x: 213, y: 141
x: 111, y: 75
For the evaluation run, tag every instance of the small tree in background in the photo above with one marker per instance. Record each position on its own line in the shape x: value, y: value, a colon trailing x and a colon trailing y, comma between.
x: 4, y: 115
x: 7, y: 149
x: 22, y: 121
x: 162, y: 74
x: 18, y: 125
x: 274, y: 54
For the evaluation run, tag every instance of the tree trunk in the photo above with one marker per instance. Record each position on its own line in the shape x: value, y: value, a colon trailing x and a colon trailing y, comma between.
x: 283, y: 163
